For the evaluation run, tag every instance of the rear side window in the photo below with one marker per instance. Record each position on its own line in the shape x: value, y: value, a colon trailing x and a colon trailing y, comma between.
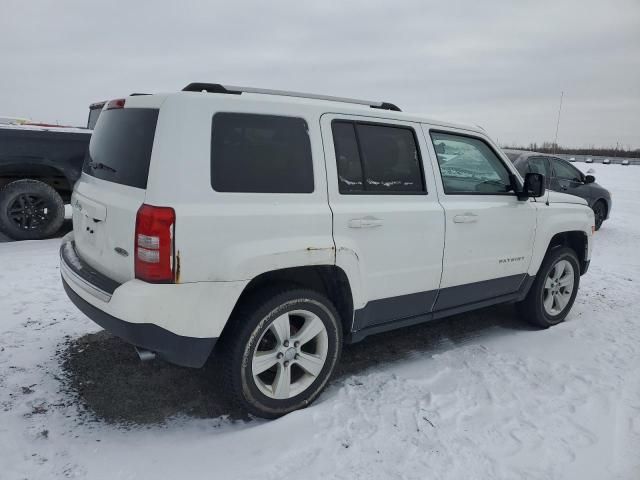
x: 347, y: 157
x: 260, y: 154
x: 375, y: 158
x: 120, y: 147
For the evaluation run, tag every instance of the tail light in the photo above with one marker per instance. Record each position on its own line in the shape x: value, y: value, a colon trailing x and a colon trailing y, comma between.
x: 155, y: 235
x: 117, y: 103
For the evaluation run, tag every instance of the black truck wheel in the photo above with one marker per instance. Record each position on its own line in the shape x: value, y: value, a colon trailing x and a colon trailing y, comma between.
x: 30, y: 210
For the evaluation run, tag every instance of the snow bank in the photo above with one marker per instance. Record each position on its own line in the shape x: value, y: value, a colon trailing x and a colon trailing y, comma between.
x: 498, y: 402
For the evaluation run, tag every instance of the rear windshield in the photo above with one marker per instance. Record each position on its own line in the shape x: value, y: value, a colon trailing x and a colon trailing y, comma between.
x: 513, y: 155
x: 94, y: 113
x: 120, y: 147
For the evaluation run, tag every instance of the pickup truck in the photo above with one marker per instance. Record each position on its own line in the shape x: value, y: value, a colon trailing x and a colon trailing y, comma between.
x: 39, y: 164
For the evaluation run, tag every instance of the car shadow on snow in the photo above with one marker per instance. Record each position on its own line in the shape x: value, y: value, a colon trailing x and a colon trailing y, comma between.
x: 112, y: 385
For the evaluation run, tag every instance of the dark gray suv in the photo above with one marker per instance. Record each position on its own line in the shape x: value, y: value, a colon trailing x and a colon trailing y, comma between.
x: 563, y: 177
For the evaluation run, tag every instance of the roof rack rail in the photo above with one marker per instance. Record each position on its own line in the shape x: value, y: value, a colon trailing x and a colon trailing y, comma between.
x: 218, y: 88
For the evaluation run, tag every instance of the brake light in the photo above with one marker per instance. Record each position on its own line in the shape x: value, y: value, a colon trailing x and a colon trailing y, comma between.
x: 155, y: 235
x: 117, y: 103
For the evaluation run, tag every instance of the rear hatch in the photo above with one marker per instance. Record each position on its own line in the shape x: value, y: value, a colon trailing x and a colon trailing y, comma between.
x: 112, y: 187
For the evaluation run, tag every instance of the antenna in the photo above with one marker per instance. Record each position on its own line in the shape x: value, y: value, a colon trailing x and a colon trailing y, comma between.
x: 555, y: 141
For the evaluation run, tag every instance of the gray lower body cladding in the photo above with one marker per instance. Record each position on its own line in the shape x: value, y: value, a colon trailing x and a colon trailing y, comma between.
x: 176, y: 349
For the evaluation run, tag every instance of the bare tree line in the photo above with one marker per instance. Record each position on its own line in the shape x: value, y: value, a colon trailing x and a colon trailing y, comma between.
x: 550, y: 147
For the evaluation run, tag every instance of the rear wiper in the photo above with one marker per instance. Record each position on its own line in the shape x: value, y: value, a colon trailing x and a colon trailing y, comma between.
x: 101, y: 166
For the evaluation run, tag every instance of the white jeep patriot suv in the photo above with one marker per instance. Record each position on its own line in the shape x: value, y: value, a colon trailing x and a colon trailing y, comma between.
x: 270, y: 227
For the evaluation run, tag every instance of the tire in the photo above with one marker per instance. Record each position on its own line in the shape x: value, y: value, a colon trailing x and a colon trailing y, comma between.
x: 254, y: 328
x: 600, y: 213
x: 30, y: 210
x: 533, y: 307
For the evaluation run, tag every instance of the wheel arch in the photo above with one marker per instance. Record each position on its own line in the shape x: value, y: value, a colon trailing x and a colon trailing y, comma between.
x: 56, y: 178
x: 563, y: 223
x: 329, y: 280
x: 606, y: 205
x: 576, y: 240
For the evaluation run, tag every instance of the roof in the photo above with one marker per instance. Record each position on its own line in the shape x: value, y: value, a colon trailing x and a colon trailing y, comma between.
x: 233, y: 90
x: 321, y: 103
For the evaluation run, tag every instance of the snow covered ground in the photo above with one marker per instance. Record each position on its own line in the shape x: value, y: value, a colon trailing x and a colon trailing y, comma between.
x: 500, y: 402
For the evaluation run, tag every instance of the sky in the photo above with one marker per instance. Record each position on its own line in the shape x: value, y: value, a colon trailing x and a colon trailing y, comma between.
x: 498, y: 64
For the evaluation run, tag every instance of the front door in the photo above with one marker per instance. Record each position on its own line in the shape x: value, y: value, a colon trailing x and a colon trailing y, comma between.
x: 489, y: 232
x: 388, y: 226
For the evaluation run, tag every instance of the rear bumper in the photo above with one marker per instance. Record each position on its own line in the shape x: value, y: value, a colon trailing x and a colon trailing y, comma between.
x: 176, y: 349
x: 83, y: 276
x: 179, y: 322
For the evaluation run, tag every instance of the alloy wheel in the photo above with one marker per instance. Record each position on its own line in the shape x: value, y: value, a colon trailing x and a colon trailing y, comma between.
x: 558, y: 288
x: 290, y: 354
x: 29, y: 212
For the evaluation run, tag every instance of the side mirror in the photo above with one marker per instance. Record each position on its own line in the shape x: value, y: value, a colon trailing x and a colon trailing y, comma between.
x: 534, y: 186
x: 589, y: 179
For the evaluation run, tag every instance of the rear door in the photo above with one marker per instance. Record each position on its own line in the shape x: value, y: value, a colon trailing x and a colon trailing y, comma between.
x: 112, y: 187
x: 388, y: 226
x: 489, y: 232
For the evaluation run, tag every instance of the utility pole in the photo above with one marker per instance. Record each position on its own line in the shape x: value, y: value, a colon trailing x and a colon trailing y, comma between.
x: 555, y: 141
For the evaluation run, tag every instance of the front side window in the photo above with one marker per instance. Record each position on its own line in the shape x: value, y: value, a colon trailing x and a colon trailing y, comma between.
x: 376, y: 158
x: 260, y: 154
x: 469, y: 166
x: 564, y: 171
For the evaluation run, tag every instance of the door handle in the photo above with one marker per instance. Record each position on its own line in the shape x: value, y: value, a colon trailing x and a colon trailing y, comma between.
x: 466, y: 218
x: 366, y: 222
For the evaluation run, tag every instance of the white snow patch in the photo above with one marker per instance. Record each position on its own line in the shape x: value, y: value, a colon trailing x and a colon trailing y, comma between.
x: 562, y: 403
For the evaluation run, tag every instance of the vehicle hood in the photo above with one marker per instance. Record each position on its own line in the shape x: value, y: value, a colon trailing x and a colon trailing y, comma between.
x: 557, y: 197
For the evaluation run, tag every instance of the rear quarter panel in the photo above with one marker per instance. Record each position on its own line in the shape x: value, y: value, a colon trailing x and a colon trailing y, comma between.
x: 26, y: 152
x: 225, y: 236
